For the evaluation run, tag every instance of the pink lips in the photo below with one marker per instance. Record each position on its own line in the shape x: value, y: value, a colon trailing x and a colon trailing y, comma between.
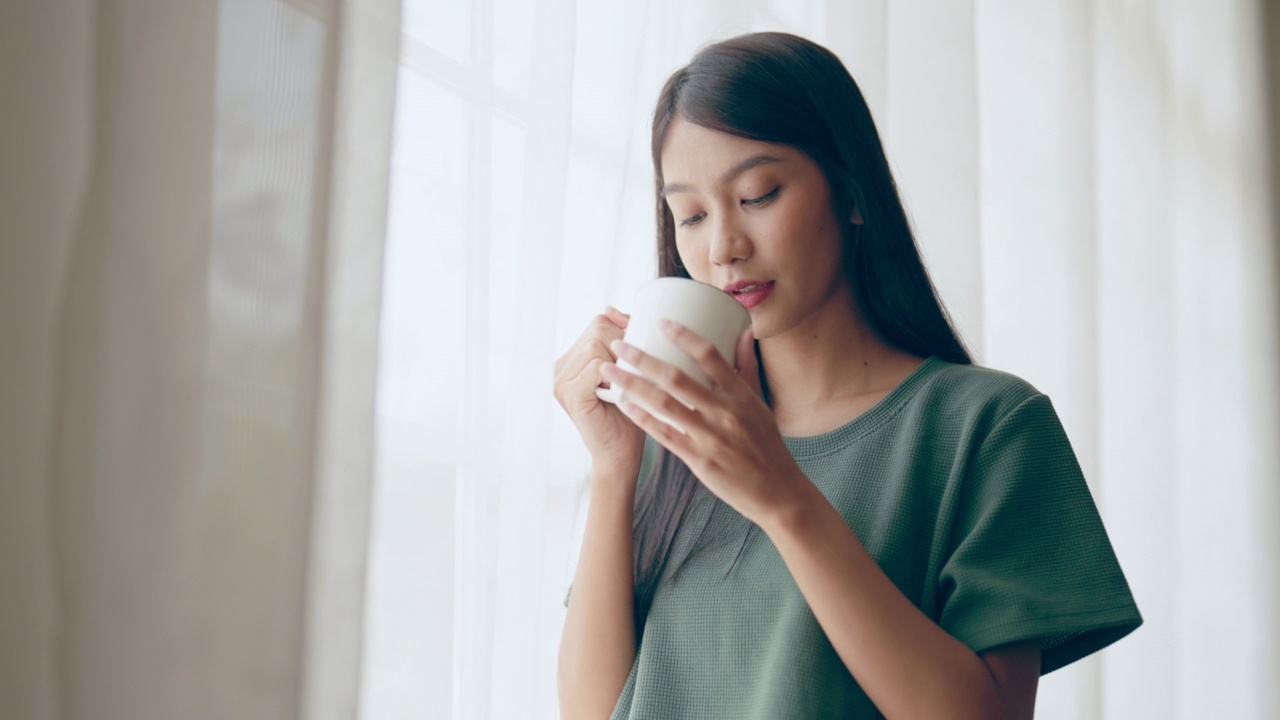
x: 753, y: 297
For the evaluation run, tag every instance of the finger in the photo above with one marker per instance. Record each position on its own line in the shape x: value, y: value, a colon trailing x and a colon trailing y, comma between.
x: 598, y: 355
x: 669, y: 437
x: 701, y: 350
x: 571, y: 388
x: 599, y: 332
x: 588, y: 376
x: 578, y: 364
x: 664, y: 375
x: 601, y: 329
x: 652, y: 397
x: 606, y: 332
x: 616, y: 316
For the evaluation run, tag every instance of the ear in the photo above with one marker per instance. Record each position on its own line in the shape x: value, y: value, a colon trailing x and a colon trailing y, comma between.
x: 855, y: 217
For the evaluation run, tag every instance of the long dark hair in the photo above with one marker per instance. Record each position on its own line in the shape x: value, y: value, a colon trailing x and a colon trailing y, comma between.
x: 780, y: 88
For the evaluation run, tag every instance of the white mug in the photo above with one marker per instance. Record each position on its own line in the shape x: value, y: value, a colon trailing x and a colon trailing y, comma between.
x: 704, y: 309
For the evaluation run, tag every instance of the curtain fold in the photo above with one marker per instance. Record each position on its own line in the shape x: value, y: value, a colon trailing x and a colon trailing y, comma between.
x: 200, y: 358
x: 352, y: 200
x: 45, y: 85
x: 130, y: 339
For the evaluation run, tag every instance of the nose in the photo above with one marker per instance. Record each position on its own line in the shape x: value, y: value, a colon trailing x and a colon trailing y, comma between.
x: 729, y: 243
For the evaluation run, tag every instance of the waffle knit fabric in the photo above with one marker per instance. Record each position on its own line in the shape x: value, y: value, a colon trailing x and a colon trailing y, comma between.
x: 963, y: 486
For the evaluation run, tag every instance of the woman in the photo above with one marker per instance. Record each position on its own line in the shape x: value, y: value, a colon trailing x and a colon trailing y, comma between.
x: 859, y: 522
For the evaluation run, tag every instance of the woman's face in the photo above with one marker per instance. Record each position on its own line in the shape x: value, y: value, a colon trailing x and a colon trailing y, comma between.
x: 749, y: 211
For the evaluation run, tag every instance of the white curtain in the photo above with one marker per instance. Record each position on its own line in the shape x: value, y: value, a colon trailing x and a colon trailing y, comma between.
x: 193, y: 216
x: 205, y: 355
x: 1090, y: 185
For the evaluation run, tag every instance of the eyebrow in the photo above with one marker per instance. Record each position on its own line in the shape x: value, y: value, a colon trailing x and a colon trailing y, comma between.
x: 735, y: 171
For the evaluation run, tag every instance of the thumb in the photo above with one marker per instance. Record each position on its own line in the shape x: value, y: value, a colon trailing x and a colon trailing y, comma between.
x: 616, y: 316
x: 745, y: 357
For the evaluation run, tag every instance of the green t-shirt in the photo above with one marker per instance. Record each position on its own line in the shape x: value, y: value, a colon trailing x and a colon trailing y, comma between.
x: 963, y: 486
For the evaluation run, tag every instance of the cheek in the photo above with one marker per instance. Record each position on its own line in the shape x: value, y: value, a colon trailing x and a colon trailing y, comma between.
x: 814, y: 229
x: 693, y: 257
x: 787, y: 232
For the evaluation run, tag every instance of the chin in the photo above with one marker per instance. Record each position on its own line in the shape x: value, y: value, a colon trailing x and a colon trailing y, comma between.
x: 762, y: 330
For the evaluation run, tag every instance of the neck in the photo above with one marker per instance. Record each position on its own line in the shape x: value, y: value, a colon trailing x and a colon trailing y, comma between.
x: 832, y: 357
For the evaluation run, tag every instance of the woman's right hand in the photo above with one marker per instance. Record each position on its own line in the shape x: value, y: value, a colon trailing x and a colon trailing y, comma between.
x: 615, y: 443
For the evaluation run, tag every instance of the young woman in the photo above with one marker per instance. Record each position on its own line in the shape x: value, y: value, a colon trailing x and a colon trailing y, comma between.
x: 858, y: 522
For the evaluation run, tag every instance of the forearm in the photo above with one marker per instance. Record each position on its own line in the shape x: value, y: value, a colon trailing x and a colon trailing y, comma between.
x: 908, y: 665
x: 597, y: 647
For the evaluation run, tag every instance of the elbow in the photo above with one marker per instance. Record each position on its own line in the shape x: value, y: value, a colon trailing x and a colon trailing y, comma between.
x: 989, y: 705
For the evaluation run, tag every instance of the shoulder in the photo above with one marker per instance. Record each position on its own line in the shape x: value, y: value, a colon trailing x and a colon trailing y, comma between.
x: 973, y: 394
x: 995, y: 424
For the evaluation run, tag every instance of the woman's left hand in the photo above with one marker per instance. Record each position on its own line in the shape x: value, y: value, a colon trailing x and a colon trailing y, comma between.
x: 731, y: 440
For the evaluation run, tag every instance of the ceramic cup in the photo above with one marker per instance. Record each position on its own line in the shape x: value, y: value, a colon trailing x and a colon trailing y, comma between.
x: 704, y: 309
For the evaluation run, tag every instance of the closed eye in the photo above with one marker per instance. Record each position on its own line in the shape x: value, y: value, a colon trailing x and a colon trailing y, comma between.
x: 753, y: 202
x: 763, y: 199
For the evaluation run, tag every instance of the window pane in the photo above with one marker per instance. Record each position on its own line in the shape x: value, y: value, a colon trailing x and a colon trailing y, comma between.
x: 590, y: 231
x: 422, y: 332
x: 444, y: 25
x: 409, y: 611
x: 408, y: 651
x: 512, y: 44
x: 506, y: 214
x: 603, y: 68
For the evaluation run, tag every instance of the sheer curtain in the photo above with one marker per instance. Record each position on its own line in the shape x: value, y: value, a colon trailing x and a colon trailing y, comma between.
x: 250, y: 466
x: 1090, y: 184
x: 190, y: 261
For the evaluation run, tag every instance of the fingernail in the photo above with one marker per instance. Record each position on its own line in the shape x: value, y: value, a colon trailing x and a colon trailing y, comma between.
x: 609, y: 370
x: 622, y: 349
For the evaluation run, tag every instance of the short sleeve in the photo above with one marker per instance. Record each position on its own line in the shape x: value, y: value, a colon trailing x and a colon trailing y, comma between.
x: 647, y: 457
x: 1029, y: 557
